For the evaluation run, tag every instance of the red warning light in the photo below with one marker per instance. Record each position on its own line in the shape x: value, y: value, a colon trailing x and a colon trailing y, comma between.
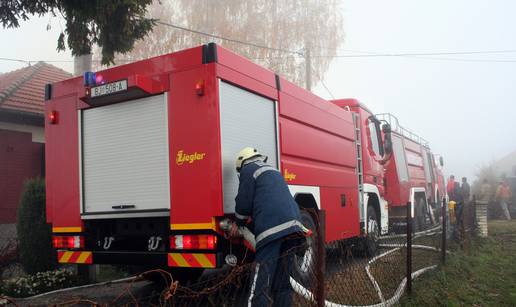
x: 52, y: 117
x: 99, y: 79
x: 199, y: 88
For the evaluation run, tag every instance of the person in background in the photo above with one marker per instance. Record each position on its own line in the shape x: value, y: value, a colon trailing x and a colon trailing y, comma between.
x: 457, y: 194
x: 465, y: 190
x: 503, y: 195
x: 450, y: 188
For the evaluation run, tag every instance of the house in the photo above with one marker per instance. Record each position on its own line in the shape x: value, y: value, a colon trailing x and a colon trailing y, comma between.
x: 22, y: 131
x: 506, y: 166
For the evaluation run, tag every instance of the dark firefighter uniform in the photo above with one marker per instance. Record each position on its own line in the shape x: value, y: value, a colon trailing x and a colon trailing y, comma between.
x: 264, y: 197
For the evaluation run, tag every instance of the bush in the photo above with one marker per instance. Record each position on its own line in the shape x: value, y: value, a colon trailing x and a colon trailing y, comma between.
x: 39, y: 283
x: 34, y: 234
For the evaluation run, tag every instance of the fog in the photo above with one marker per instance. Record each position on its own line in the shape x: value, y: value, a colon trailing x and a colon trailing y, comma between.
x: 462, y: 104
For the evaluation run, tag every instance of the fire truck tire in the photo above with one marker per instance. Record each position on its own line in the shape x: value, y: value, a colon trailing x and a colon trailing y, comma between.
x: 304, y: 260
x: 371, y: 241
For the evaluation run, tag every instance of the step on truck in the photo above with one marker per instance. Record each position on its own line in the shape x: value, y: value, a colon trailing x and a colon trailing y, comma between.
x: 140, y: 159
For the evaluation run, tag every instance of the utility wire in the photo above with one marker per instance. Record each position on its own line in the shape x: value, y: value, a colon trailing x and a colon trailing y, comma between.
x: 300, y: 54
x: 365, y: 53
x: 228, y: 39
x: 412, y: 54
x: 377, y: 54
x: 35, y: 61
x: 329, y: 92
x: 14, y: 60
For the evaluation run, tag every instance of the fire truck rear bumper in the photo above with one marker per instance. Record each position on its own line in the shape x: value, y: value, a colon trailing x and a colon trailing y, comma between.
x: 161, y: 259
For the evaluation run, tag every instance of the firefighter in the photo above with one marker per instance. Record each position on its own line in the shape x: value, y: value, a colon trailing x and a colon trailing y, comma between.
x: 264, y: 200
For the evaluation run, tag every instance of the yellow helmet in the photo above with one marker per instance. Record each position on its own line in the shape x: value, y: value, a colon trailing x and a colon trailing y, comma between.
x: 246, y: 154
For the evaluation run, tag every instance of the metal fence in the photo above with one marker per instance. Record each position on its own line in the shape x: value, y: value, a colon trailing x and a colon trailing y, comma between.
x: 334, y: 274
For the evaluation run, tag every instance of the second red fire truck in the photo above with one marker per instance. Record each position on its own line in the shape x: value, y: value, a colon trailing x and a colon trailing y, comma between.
x: 140, y: 159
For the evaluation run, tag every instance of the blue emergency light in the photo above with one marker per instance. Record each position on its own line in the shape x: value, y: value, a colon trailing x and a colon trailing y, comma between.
x: 92, y: 79
x: 89, y: 78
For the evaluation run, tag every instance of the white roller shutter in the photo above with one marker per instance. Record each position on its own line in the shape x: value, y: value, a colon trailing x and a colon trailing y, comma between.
x: 246, y: 119
x: 125, y: 157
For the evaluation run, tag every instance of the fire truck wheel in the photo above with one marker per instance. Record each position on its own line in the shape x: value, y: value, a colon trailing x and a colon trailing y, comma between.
x: 304, y: 260
x: 371, y: 244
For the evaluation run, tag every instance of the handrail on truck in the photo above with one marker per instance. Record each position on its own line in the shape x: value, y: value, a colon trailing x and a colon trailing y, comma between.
x: 396, y: 127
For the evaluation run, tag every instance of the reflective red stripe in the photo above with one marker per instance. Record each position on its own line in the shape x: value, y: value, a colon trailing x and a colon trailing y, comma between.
x: 73, y: 258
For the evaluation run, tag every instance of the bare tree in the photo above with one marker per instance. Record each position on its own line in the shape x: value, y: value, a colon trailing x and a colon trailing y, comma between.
x: 290, y: 28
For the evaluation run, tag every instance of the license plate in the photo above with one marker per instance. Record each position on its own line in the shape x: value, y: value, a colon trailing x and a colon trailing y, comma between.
x: 109, y: 88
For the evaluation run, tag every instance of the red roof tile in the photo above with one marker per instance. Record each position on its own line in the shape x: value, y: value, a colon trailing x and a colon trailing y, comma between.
x: 24, y: 89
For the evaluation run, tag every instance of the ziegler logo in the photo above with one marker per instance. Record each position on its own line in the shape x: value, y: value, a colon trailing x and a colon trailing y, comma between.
x: 289, y: 176
x: 183, y: 158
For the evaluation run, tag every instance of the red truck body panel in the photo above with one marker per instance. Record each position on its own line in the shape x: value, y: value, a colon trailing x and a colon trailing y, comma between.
x: 398, y: 192
x: 317, y: 145
x: 316, y: 140
x: 62, y: 164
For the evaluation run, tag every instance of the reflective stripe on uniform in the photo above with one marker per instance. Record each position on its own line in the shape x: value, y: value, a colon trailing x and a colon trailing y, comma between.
x: 262, y: 170
x: 240, y: 216
x: 278, y: 228
x: 253, y: 287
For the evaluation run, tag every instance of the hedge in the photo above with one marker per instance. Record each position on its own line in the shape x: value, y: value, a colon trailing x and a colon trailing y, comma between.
x: 34, y: 234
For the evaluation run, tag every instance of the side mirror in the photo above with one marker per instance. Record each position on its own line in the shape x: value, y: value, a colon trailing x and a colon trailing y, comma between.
x: 441, y: 161
x: 387, y: 141
x: 386, y: 128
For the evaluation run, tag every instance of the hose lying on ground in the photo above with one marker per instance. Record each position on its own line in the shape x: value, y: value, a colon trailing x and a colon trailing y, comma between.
x: 299, y: 289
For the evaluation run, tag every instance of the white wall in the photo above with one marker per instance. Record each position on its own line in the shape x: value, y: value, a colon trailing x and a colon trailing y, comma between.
x: 38, y: 133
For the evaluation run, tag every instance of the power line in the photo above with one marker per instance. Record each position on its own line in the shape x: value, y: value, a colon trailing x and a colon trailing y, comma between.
x: 365, y: 53
x: 422, y: 54
x: 380, y: 54
x: 329, y: 92
x: 14, y: 60
x: 35, y: 61
x: 466, y: 60
x: 228, y: 39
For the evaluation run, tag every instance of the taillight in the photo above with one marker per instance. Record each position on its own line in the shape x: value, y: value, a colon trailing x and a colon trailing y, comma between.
x: 68, y: 242
x: 193, y: 242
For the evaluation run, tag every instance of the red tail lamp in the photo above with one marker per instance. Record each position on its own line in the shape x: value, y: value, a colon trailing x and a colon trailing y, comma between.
x: 68, y: 242
x: 53, y: 117
x: 199, y: 88
x: 193, y: 242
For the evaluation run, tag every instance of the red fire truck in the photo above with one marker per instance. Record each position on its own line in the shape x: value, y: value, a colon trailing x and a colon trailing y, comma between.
x: 140, y: 159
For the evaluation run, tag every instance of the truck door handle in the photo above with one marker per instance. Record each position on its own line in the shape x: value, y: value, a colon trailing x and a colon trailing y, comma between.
x: 124, y: 207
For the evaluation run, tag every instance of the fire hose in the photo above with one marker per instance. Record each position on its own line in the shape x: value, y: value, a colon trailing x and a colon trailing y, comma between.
x: 247, y: 235
x: 249, y: 240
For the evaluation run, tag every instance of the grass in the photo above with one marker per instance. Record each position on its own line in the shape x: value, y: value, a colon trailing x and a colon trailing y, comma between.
x: 484, y: 276
x: 347, y: 282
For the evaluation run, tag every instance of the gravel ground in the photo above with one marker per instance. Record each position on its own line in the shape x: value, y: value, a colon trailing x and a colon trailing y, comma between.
x: 143, y: 292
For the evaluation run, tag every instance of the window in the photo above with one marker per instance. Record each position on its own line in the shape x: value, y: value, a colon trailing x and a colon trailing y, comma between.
x: 399, y: 157
x: 374, y: 133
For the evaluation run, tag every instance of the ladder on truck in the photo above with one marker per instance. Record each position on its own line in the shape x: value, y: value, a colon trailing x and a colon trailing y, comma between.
x: 359, y: 169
